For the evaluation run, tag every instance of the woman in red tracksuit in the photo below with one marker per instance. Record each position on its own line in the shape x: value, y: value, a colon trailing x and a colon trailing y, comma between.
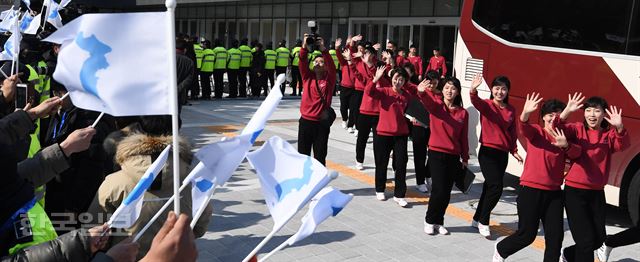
x: 498, y: 139
x: 346, y: 90
x: 599, y: 136
x: 540, y: 196
x: 363, y: 67
x: 416, y: 61
x: 392, y: 130
x: 448, y: 148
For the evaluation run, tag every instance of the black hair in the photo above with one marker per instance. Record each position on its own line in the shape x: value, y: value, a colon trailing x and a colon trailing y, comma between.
x: 234, y: 43
x: 400, y: 71
x: 402, y: 49
x: 551, y: 106
x: 501, y: 81
x: 363, y: 43
x: 413, y: 78
x: 412, y: 46
x: 181, y: 44
x: 455, y: 82
x: 270, y: 45
x: 436, y: 49
x: 244, y: 41
x: 393, y: 43
x: 156, y: 125
x: 282, y: 43
x: 434, y: 75
x: 595, y: 102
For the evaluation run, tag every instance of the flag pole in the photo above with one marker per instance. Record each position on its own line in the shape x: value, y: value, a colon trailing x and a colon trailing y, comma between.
x: 157, y: 215
x: 280, y: 247
x: 173, y: 91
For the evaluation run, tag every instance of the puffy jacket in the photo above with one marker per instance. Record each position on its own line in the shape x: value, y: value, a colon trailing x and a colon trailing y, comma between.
x: 73, y: 246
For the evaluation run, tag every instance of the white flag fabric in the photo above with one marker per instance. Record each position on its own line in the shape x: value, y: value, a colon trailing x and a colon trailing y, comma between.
x: 104, y: 68
x: 129, y: 210
x: 11, y: 47
x: 4, y: 14
x: 328, y: 202
x: 53, y: 13
x: 9, y: 20
x: 259, y: 119
x: 288, y: 179
x: 64, y: 3
x: 27, y: 18
x: 33, y: 26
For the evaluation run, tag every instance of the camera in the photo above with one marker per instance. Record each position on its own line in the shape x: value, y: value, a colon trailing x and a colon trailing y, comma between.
x: 313, y: 36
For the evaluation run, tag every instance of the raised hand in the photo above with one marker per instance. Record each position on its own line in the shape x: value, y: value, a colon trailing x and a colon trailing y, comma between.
x: 348, y: 40
x: 531, y: 105
x: 338, y: 43
x: 573, y: 104
x: 424, y: 85
x: 615, y: 117
x: 356, y: 38
x: 477, y: 81
x: 376, y: 46
x: 346, y: 54
x: 558, y: 135
x: 379, y: 73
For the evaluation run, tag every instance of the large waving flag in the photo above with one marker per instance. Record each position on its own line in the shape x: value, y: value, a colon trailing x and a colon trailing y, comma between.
x: 219, y: 160
x: 104, y: 71
x: 26, y: 21
x: 129, y: 210
x: 288, y: 179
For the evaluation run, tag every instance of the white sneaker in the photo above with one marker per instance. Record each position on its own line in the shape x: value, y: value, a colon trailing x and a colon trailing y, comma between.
x: 401, y: 202
x: 496, y: 255
x: 359, y: 166
x: 350, y: 130
x: 474, y: 223
x: 442, y: 230
x: 380, y: 196
x: 484, y: 230
x: 422, y: 188
x: 344, y: 124
x: 355, y: 132
x: 429, y: 229
x: 603, y: 252
x: 428, y: 183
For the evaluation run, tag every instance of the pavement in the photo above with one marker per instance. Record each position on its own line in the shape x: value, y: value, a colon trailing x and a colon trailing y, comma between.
x: 367, y: 229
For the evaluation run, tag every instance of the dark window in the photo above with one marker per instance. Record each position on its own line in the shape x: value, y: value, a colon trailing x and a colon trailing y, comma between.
x: 577, y: 24
x: 634, y: 30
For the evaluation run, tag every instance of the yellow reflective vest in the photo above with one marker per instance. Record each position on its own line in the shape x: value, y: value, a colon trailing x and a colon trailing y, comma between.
x: 296, y: 56
x: 247, y: 56
x: 336, y: 62
x: 199, y: 53
x: 235, y: 58
x: 220, y: 58
x: 271, y: 56
x: 282, y: 59
x: 208, y: 58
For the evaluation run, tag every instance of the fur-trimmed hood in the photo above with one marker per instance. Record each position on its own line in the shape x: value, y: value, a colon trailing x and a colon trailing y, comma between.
x: 144, y: 145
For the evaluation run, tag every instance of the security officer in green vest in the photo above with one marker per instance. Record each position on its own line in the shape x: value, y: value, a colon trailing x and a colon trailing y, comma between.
x: 206, y: 69
x: 220, y: 66
x: 295, y: 71
x: 312, y: 57
x: 333, y: 53
x: 199, y: 50
x: 245, y: 65
x: 233, y: 66
x: 271, y: 57
x: 282, y: 61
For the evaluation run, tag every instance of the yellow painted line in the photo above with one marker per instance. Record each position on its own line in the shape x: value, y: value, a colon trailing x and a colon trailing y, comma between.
x: 452, y: 210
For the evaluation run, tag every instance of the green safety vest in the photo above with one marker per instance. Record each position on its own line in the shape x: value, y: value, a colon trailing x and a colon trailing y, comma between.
x: 336, y: 62
x: 41, y: 228
x: 247, y: 56
x: 208, y: 57
x: 271, y: 59
x: 313, y: 57
x: 199, y: 53
x: 220, y: 58
x: 283, y: 57
x: 296, y: 56
x: 45, y: 84
x: 235, y: 57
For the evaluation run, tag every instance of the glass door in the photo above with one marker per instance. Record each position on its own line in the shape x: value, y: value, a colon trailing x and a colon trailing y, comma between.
x: 293, y: 33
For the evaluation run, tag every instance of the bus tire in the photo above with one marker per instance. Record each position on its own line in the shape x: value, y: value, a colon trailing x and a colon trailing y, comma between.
x: 633, y: 199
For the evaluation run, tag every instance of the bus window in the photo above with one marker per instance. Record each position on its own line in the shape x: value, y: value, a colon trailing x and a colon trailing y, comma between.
x: 576, y: 24
x: 634, y: 37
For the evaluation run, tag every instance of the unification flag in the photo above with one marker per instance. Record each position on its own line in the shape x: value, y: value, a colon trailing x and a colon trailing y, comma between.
x: 102, y: 66
x: 53, y: 13
x: 129, y: 210
x: 32, y: 27
x: 328, y: 202
x: 9, y: 20
x: 288, y: 179
x: 26, y: 21
x: 219, y: 160
x: 11, y: 47
x: 4, y: 14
